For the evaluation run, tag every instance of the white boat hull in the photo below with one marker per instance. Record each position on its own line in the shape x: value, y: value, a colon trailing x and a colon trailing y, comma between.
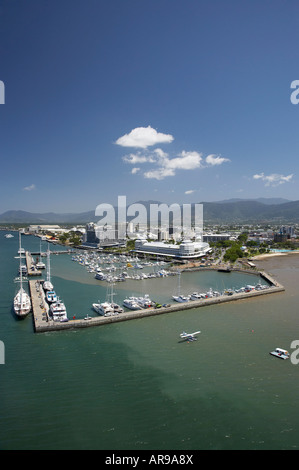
x: 22, y: 303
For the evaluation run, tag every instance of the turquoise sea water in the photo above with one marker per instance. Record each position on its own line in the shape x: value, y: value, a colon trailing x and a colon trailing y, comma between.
x: 134, y: 385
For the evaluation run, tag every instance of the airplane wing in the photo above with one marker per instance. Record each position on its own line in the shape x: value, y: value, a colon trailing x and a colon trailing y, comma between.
x: 189, y: 335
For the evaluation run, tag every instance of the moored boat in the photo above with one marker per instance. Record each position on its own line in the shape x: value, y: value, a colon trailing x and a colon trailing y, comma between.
x: 22, y: 302
x: 131, y: 304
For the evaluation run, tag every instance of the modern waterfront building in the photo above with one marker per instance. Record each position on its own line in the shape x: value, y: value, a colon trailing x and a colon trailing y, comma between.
x: 185, y: 250
x: 216, y: 237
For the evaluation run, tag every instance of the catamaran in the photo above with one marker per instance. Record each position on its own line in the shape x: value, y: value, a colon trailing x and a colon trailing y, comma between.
x: 109, y: 307
x: 22, y: 302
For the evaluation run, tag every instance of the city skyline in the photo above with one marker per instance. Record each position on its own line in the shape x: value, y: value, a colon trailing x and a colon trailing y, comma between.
x: 171, y: 101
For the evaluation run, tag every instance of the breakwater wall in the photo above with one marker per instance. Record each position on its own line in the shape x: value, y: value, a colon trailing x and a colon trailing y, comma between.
x: 43, y: 323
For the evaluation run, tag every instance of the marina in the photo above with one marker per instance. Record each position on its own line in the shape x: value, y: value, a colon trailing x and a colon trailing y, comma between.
x: 43, y: 322
x: 147, y: 362
x: 50, y: 312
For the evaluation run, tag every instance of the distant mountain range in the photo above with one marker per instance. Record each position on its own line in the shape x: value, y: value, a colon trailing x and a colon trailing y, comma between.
x: 274, y: 210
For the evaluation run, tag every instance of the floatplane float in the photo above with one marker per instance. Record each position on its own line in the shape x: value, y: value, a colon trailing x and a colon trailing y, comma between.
x: 189, y: 336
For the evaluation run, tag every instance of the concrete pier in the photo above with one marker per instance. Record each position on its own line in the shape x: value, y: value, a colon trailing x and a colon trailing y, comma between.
x: 43, y: 323
x: 40, y: 307
x: 31, y: 269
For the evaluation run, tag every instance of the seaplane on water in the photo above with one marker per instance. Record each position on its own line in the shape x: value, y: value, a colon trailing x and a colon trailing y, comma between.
x: 189, y: 336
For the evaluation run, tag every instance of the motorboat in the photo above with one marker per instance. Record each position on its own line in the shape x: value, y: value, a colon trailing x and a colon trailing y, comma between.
x: 281, y: 353
x: 58, y: 311
x: 144, y: 302
x: 100, y: 276
x: 181, y: 298
x: 51, y: 296
x: 48, y: 285
x: 8, y: 235
x: 196, y: 296
x: 131, y: 304
x: 249, y: 288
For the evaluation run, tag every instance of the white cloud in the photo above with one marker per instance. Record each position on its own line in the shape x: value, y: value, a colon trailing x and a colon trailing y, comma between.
x: 159, y: 174
x: 274, y: 179
x: 216, y: 160
x: 168, y: 166
x: 143, y: 137
x: 29, y: 188
x: 190, y: 191
x: 135, y: 158
x: 185, y: 161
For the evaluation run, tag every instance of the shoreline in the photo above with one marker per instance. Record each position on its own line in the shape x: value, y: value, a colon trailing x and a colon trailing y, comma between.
x: 270, y: 255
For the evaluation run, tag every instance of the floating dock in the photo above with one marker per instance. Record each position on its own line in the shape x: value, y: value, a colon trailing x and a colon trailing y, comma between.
x: 44, y: 323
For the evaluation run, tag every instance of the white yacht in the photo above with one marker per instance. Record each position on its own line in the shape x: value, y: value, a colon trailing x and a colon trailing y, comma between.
x: 181, y: 298
x: 131, y: 304
x: 100, y: 276
x: 103, y: 308
x: 58, y: 311
x: 22, y: 302
x: 109, y: 307
x: 144, y: 302
x: 196, y: 296
x: 8, y: 235
x: 51, y: 296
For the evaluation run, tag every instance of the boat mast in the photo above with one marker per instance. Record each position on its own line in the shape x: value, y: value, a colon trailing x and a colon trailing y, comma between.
x: 21, y: 274
x: 48, y: 265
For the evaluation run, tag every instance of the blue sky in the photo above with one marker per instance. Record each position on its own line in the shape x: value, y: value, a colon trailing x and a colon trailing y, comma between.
x: 177, y: 101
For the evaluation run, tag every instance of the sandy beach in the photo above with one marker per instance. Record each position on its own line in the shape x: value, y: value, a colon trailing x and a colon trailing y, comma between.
x: 271, y: 255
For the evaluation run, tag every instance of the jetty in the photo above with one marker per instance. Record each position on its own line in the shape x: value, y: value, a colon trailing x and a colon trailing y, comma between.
x: 31, y: 268
x: 43, y: 322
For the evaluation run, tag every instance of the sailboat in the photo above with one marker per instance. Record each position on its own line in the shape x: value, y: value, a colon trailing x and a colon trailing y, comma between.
x: 109, y: 307
x: 179, y: 297
x: 22, y: 302
x: 48, y: 284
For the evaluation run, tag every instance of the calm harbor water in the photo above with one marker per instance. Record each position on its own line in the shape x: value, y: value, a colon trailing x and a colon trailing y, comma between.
x: 134, y: 385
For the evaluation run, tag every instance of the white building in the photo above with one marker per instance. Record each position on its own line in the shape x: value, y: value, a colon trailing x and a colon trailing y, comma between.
x: 186, y: 250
